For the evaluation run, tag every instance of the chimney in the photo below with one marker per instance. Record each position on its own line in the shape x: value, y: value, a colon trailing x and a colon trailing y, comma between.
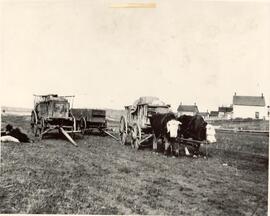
x: 234, y: 93
x: 262, y: 95
x: 195, y: 103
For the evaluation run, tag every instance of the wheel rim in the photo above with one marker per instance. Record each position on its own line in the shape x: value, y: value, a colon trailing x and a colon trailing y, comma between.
x: 133, y: 136
x: 123, y: 130
x: 35, y: 130
x: 33, y: 122
x: 122, y: 127
x: 41, y: 128
x: 123, y: 138
x: 136, y: 143
x: 136, y: 137
x: 132, y: 144
x: 82, y: 125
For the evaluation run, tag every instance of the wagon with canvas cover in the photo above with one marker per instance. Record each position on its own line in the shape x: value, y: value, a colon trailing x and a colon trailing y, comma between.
x: 52, y: 112
x: 136, y: 121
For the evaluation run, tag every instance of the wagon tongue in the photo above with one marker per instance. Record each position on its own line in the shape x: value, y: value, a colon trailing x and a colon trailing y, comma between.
x: 68, y: 137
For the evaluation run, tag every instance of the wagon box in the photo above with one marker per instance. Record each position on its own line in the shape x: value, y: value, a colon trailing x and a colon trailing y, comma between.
x: 89, y: 119
x: 53, y: 109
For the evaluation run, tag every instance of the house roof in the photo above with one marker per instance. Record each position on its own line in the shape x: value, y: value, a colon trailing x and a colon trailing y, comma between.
x: 188, y: 108
x: 249, y: 100
x: 225, y: 109
x: 213, y: 113
x: 203, y: 113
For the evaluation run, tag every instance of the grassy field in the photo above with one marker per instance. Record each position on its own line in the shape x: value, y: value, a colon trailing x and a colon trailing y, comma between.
x: 103, y: 177
x: 244, y: 124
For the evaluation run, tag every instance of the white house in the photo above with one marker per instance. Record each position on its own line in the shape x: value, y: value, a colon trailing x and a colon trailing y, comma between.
x: 249, y: 107
x: 187, y: 110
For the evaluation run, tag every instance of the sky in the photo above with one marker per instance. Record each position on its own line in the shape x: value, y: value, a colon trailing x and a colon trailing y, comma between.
x: 180, y: 51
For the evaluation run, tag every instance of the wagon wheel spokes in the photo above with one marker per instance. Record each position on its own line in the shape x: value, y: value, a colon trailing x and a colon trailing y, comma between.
x: 123, y: 138
x: 41, y: 128
x: 74, y: 123
x: 35, y: 130
x: 123, y: 130
x: 33, y: 121
x: 136, y: 136
x: 136, y: 144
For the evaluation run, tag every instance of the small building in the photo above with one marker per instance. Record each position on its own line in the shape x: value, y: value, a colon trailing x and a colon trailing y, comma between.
x: 249, y: 107
x: 213, y: 115
x: 225, y: 112
x: 205, y: 115
x: 187, y: 110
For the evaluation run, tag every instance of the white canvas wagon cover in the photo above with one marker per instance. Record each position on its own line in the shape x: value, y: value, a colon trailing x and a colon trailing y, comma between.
x: 149, y: 100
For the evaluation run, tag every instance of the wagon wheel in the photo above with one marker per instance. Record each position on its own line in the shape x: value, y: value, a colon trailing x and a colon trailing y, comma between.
x: 82, y: 125
x: 123, y: 130
x: 73, y: 123
x: 34, y: 121
x: 40, y: 128
x: 36, y: 130
x: 136, y: 136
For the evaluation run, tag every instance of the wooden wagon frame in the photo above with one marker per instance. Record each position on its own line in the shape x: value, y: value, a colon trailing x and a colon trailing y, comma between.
x: 90, y: 119
x: 52, y: 112
x: 136, y: 123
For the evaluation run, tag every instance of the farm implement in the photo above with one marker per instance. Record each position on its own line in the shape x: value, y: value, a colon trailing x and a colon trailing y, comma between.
x: 91, y: 120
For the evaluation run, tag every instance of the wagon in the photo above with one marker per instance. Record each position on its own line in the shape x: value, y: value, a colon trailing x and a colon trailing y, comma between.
x: 52, y: 112
x: 135, y: 123
x: 88, y: 120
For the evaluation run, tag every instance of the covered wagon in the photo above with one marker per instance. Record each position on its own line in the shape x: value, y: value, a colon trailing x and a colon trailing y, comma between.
x: 136, y: 121
x: 52, y: 112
